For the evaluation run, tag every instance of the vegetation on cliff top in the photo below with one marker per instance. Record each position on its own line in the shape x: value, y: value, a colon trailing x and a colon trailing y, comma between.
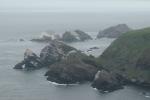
x: 125, y: 53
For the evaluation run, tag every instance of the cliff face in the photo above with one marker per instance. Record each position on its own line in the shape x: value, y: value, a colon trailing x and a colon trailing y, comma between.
x: 129, y: 55
x: 114, y: 31
x: 75, y: 67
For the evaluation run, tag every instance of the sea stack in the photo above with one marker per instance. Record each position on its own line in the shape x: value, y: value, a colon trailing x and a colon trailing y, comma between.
x: 114, y: 31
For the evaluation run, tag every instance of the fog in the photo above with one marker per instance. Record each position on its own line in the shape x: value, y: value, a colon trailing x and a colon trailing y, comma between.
x: 62, y: 15
x: 74, y: 5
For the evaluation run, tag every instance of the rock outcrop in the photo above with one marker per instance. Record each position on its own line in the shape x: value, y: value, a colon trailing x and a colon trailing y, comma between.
x: 31, y: 61
x: 129, y: 56
x: 75, y: 36
x: 106, y: 81
x: 55, y: 52
x: 46, y: 37
x: 52, y: 53
x: 74, y: 68
x: 68, y: 36
x: 114, y: 32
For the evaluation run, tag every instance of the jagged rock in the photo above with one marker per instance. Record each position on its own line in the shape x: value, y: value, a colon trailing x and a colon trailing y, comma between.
x: 46, y: 37
x: 83, y: 36
x: 139, y: 82
x: 106, y: 81
x: 68, y: 36
x: 72, y: 69
x: 114, y: 32
x: 31, y: 60
x: 54, y: 52
x: 75, y: 36
x: 92, y: 48
x: 19, y: 65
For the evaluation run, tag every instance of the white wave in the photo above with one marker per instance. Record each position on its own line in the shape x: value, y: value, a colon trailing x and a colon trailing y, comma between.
x: 54, y: 83
x: 147, y: 96
x: 51, y: 35
x: 95, y: 89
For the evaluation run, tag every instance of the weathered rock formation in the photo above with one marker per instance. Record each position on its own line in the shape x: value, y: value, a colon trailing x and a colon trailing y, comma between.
x: 106, y: 81
x: 68, y: 36
x: 114, y: 32
x: 52, y: 53
x: 31, y: 61
x: 55, y: 52
x: 76, y: 67
x: 75, y: 36
x: 46, y: 37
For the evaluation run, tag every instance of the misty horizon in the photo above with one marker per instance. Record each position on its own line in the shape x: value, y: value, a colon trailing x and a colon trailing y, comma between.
x: 74, y: 6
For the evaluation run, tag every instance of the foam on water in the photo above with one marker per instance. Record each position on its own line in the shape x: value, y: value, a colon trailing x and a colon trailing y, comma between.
x: 54, y: 83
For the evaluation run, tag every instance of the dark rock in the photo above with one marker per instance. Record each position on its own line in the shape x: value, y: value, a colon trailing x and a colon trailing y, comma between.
x: 89, y: 50
x: 19, y: 65
x: 31, y: 61
x: 106, y: 81
x: 54, y: 52
x: 21, y: 40
x: 69, y: 37
x: 72, y: 69
x: 144, y: 93
x: 114, y: 32
x: 46, y: 40
x: 75, y: 36
x: 46, y: 37
x: 94, y: 48
x: 83, y: 36
x: 50, y: 54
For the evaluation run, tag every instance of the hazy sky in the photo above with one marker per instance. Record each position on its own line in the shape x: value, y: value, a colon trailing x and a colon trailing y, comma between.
x: 74, y: 5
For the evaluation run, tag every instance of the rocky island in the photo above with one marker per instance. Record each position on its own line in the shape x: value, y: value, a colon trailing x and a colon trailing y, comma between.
x: 66, y: 64
x: 75, y: 36
x: 53, y: 52
x: 68, y: 36
x: 114, y: 31
x: 125, y: 61
x: 75, y: 68
x: 46, y: 37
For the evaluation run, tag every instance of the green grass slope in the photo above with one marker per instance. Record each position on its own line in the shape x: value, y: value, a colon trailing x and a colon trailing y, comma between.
x: 123, y: 55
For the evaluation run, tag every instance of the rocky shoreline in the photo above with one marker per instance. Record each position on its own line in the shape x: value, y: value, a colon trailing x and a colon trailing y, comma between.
x: 68, y: 36
x: 114, y: 31
x: 67, y: 65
